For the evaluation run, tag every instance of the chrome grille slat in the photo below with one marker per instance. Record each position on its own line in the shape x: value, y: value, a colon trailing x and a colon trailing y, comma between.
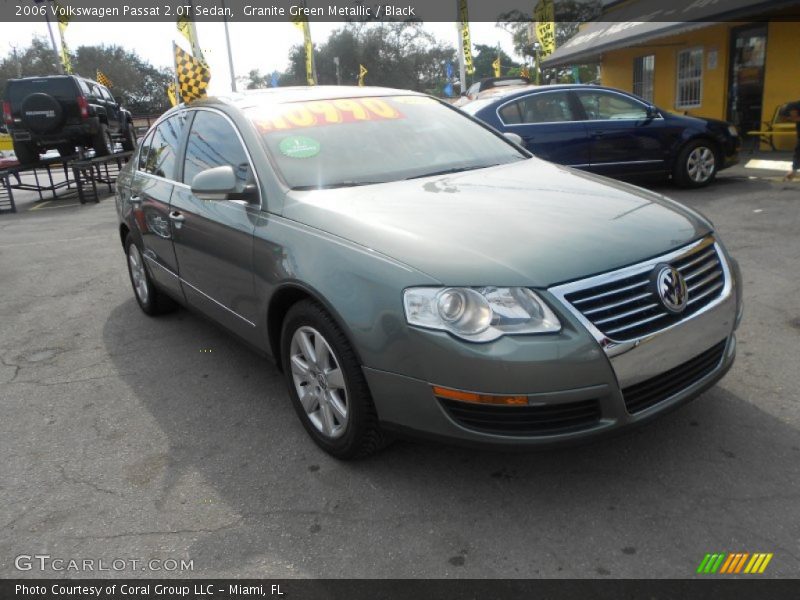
x: 704, y: 281
x: 703, y: 256
x: 611, y: 293
x: 705, y: 294
x: 697, y: 272
x: 623, y: 306
x: 626, y: 314
x: 616, y: 304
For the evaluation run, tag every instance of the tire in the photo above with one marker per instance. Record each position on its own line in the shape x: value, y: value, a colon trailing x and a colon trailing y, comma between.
x: 318, y: 361
x: 151, y: 300
x: 696, y: 165
x: 41, y: 113
x: 66, y: 150
x: 26, y: 153
x: 102, y: 143
x: 129, y: 138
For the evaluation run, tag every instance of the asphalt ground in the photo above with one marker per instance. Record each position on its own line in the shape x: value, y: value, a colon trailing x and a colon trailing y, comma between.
x: 134, y: 438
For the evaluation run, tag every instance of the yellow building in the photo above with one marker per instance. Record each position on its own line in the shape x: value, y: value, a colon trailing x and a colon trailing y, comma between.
x: 717, y: 64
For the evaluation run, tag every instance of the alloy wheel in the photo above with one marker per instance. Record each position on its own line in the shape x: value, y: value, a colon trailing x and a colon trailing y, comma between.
x: 319, y: 382
x: 138, y: 274
x: 700, y: 164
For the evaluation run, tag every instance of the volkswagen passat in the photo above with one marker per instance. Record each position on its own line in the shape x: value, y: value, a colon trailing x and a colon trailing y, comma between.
x: 410, y: 269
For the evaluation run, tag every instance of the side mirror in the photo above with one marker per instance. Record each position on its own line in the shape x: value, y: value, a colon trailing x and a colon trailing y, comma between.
x: 513, y: 137
x: 119, y: 99
x: 220, y: 183
x: 215, y: 184
x: 651, y: 111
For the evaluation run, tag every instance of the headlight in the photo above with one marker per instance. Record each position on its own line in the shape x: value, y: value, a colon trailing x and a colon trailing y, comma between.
x: 479, y: 314
x: 733, y: 131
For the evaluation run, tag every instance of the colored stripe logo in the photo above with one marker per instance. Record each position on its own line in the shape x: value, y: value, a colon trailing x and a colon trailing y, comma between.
x: 734, y: 563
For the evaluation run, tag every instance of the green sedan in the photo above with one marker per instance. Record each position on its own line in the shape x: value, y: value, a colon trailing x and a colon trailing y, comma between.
x: 413, y: 271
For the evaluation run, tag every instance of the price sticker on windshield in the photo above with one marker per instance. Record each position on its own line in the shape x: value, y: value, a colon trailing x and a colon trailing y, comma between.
x: 326, y: 112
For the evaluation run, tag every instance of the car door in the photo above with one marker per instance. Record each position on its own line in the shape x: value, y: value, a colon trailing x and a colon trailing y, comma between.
x: 112, y: 109
x: 623, y: 138
x: 151, y: 191
x: 550, y: 125
x: 214, y: 239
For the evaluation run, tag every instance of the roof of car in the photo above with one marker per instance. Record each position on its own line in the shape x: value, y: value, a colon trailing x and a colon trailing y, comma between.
x: 503, y: 92
x: 282, y: 95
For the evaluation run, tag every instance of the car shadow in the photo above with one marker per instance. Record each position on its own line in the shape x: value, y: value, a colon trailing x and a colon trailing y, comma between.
x: 267, y: 502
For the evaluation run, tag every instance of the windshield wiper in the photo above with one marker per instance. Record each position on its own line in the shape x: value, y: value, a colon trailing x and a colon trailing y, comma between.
x: 339, y: 184
x: 452, y: 170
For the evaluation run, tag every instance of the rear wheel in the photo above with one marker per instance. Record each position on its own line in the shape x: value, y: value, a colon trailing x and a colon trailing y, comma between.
x: 102, y: 142
x: 129, y: 138
x: 151, y: 300
x: 26, y: 153
x: 327, y: 385
x: 696, y: 165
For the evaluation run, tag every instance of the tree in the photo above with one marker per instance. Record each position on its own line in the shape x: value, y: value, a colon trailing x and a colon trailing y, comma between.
x: 483, y: 58
x: 396, y: 54
x: 140, y: 84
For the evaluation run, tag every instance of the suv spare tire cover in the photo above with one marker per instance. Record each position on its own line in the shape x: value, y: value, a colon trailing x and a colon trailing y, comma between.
x: 41, y: 113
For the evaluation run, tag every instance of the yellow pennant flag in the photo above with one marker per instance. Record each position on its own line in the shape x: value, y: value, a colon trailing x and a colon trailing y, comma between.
x: 187, y: 28
x: 103, y: 80
x: 172, y: 94
x: 362, y: 71
x: 301, y: 22
x: 63, y: 22
x: 525, y: 72
x: 193, y: 75
x: 463, y: 18
x: 544, y: 14
x: 496, y: 67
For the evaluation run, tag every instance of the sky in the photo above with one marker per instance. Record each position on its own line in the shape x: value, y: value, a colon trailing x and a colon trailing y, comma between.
x: 262, y: 46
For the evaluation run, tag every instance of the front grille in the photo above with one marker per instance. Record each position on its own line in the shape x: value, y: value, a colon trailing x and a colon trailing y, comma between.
x: 656, y: 389
x: 525, y: 420
x: 626, y: 308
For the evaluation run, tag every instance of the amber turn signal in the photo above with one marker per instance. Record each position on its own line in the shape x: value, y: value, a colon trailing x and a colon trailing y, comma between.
x: 479, y: 398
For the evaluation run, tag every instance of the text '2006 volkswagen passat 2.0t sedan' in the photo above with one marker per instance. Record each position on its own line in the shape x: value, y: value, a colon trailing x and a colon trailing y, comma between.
x: 412, y: 270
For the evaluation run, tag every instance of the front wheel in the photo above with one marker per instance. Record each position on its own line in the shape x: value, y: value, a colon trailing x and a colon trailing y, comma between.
x: 326, y: 384
x: 696, y: 165
x: 151, y: 300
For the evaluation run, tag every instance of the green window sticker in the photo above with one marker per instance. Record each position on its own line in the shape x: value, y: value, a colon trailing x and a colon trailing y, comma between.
x: 298, y: 146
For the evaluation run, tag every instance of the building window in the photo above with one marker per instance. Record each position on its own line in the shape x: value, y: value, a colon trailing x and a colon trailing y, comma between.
x: 643, y: 69
x: 690, y: 78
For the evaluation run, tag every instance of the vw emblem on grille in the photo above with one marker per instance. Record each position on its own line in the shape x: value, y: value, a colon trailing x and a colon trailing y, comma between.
x: 670, y: 286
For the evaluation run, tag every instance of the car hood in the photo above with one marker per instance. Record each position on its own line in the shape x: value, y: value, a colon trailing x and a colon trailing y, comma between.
x: 528, y: 223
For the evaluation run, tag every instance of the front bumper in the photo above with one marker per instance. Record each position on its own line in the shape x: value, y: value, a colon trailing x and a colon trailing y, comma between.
x: 408, y: 405
x: 578, y: 385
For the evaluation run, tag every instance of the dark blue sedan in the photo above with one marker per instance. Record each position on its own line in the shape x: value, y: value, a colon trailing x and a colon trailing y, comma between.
x: 610, y: 132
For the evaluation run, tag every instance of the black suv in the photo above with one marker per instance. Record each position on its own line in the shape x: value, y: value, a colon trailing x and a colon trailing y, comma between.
x: 63, y: 112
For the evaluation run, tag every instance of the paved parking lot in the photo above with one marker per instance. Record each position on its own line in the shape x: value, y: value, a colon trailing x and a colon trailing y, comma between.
x: 129, y: 437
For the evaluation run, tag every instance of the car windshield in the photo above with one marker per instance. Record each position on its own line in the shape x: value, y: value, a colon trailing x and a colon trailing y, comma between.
x: 360, y: 141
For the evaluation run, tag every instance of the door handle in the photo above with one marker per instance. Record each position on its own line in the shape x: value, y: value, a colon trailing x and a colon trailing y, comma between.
x: 599, y: 134
x: 177, y: 218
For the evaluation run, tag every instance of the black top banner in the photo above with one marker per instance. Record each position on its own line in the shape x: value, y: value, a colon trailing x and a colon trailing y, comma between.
x: 396, y: 589
x: 395, y: 10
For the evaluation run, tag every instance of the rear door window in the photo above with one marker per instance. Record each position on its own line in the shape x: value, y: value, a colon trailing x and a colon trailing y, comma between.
x: 548, y: 107
x: 606, y: 106
x: 162, y: 156
x: 144, y: 148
